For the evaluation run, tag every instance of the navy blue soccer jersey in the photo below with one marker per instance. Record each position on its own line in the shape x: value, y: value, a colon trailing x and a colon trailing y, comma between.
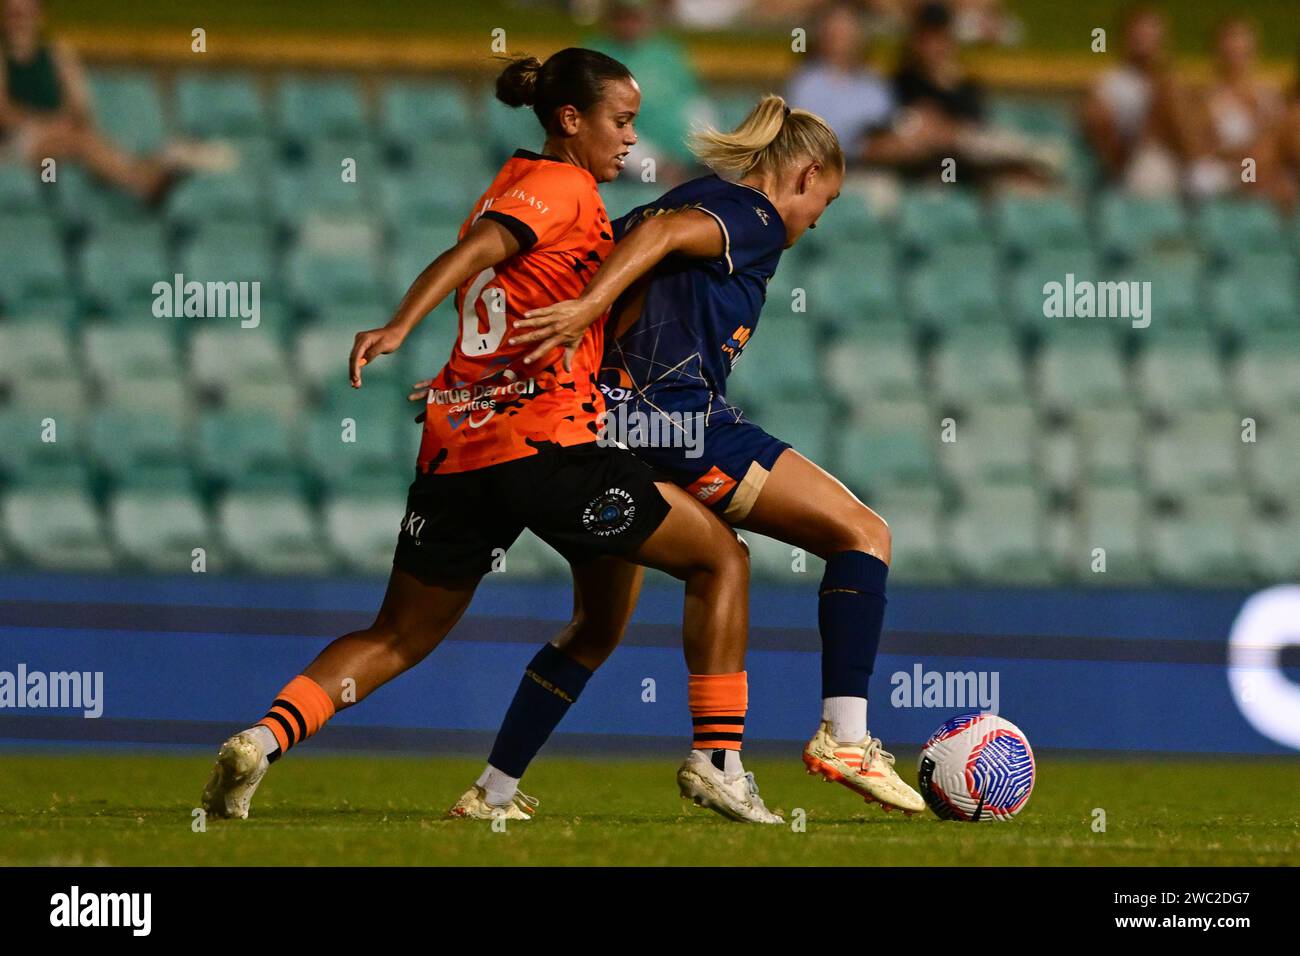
x: 698, y: 313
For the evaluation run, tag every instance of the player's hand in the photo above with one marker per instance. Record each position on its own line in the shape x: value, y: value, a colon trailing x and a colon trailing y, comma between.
x: 420, y: 391
x: 370, y: 345
x: 556, y: 326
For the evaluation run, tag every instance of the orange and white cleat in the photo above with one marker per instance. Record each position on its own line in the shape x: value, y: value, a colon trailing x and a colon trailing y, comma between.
x: 863, y: 767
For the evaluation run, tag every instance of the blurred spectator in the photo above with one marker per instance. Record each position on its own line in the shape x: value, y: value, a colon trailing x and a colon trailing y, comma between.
x: 671, y: 97
x: 836, y: 85
x: 985, y: 22
x: 1288, y: 139
x: 941, y: 114
x: 45, y: 109
x: 1136, y: 116
x: 1240, y: 116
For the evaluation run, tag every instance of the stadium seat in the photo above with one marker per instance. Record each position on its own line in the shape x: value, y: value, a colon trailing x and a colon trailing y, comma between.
x: 531, y: 558
x: 973, y: 366
x: 134, y: 352
x: 412, y: 113
x: 887, y: 445
x: 1273, y: 547
x: 120, y: 267
x: 56, y: 528
x: 510, y: 129
x: 1270, y: 461
x: 1113, y: 518
x: 1257, y: 292
x: 86, y: 204
x: 1027, y: 225
x: 227, y: 357
x: 782, y: 355
x: 872, y: 361
x: 35, y: 274
x: 993, y: 443
x: 318, y: 190
x: 852, y: 221
x: 238, y: 196
x: 1204, y: 542
x: 273, y: 532
x: 1128, y: 225
x: 42, y: 448
x: 775, y: 562
x: 805, y: 423
x: 35, y: 349
x: 170, y: 394
x: 929, y: 219
x: 322, y: 357
x: 1026, y: 298
x: 234, y: 252
x: 998, y: 535
x: 956, y: 286
x: 1266, y: 373
x: 141, y: 449
x: 1175, y: 299
x: 246, y: 449
x: 1080, y: 367
x: 1179, y: 371
x: 318, y: 279
x: 1230, y: 228
x: 311, y: 108
x: 915, y: 517
x: 1109, y: 445
x: 420, y: 199
x: 128, y: 107
x: 1199, y: 452
x: 853, y: 284
x: 219, y: 104
x: 362, y: 529
x: 158, y: 530
x: 20, y: 190
x: 354, y: 458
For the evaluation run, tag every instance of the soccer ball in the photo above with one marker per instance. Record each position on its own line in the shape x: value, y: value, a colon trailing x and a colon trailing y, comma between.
x: 977, y: 767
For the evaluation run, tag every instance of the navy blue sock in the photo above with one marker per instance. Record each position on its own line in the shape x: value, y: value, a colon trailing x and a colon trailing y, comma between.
x: 552, y: 681
x: 850, y: 614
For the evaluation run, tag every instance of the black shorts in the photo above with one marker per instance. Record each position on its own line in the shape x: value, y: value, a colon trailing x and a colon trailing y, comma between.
x: 586, y: 501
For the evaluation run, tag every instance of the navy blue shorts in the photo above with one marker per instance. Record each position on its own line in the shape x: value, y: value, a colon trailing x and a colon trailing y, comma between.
x: 722, y: 458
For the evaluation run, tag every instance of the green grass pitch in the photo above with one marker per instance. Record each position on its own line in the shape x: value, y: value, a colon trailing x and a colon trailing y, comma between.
x: 135, y: 809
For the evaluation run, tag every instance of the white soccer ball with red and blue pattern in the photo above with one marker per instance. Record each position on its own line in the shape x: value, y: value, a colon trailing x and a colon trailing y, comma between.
x: 977, y: 767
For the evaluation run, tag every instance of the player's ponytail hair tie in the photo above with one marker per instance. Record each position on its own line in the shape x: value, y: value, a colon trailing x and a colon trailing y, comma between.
x: 573, y: 77
x: 772, y: 136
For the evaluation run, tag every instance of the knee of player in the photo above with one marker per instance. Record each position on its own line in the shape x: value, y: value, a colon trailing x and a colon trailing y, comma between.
x: 868, y: 532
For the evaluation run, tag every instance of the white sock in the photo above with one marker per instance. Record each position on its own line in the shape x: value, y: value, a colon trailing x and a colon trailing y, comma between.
x: 501, y: 789
x: 848, y: 717
x: 730, y: 760
x: 264, y: 738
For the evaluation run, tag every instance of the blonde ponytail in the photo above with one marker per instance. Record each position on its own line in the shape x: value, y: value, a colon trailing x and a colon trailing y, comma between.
x: 772, y: 136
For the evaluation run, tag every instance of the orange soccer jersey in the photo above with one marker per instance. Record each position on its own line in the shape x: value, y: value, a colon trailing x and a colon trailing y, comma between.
x: 486, y: 406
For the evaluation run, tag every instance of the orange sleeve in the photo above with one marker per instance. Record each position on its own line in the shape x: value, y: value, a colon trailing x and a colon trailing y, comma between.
x: 540, y: 208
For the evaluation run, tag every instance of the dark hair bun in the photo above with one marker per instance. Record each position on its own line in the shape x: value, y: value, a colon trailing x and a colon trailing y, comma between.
x: 517, y: 84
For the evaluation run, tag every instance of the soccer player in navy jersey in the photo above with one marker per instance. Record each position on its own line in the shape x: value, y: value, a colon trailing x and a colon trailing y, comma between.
x: 684, y: 288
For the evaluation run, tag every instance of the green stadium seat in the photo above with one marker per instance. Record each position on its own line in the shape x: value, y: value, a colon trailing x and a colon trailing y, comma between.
x: 1109, y: 442
x: 1205, y: 542
x: 1128, y: 225
x: 782, y: 356
x: 158, y: 530
x: 362, y: 529
x: 776, y: 562
x: 411, y: 113
x: 225, y: 358
x: 128, y: 107
x: 998, y: 535
x: 171, y: 395
x: 208, y: 198
x: 319, y: 279
x: 511, y: 129
x: 1270, y: 462
x: 20, y: 190
x: 1257, y: 292
x: 273, y: 532
x: 1199, y: 452
x: 1179, y: 371
x: 1037, y: 118
x: 993, y: 443
x: 1025, y: 295
x: 219, y: 104
x: 1081, y: 367
x: 429, y: 346
x: 1176, y: 300
x: 32, y: 461
x: 310, y: 108
x: 1114, y: 518
x: 1230, y: 228
x: 956, y: 286
x: 973, y: 366
x: 34, y: 349
x: 246, y: 449
x: 56, y: 529
x: 929, y: 219
x: 851, y: 221
x: 421, y: 198
x: 1027, y: 225
x: 1273, y: 547
x: 888, y: 445
x: 136, y: 353
x: 804, y: 423
x: 318, y: 190
x: 120, y: 267
x: 35, y: 273
x: 1266, y: 373
x: 234, y: 252
x: 920, y: 553
x: 87, y: 204
x: 855, y: 282
x: 531, y: 558
x: 140, y: 449
x: 872, y: 361
x: 322, y: 358
x: 373, y: 458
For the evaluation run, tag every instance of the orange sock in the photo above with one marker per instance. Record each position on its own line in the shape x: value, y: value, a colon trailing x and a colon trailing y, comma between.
x: 718, y: 704
x: 299, y: 711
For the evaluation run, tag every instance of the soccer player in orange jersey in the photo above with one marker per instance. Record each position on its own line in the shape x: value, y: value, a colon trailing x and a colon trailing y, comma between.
x: 510, y: 445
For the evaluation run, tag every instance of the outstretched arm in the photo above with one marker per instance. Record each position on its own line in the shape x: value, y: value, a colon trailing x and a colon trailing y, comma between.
x: 486, y: 244
x: 688, y: 232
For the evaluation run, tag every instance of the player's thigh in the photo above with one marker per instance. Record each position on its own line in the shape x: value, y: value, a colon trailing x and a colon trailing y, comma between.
x: 692, y: 538
x: 605, y: 592
x: 419, y: 613
x: 806, y: 506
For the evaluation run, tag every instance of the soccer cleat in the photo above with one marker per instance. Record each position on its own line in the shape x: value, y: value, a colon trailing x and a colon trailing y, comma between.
x: 240, y: 767
x: 473, y: 805
x: 862, y: 767
x: 735, y: 797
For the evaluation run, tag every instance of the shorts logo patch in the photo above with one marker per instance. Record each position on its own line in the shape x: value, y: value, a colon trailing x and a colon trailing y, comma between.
x: 413, y: 524
x: 609, y: 513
